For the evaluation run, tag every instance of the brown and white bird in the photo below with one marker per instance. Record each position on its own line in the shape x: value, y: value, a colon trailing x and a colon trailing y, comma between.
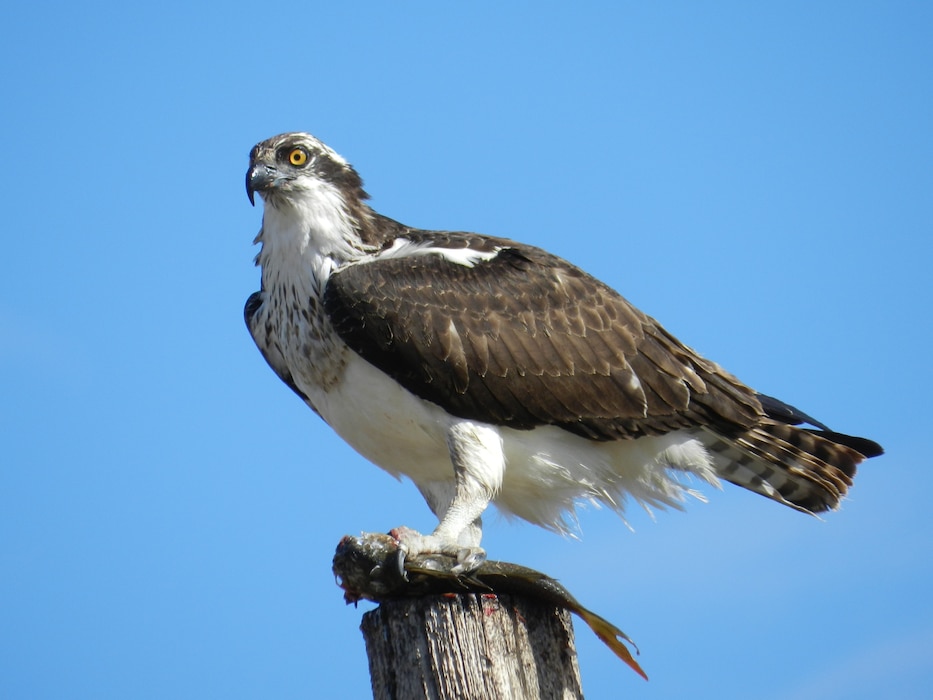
x: 490, y: 371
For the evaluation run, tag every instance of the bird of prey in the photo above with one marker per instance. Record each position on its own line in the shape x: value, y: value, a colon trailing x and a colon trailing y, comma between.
x: 487, y: 370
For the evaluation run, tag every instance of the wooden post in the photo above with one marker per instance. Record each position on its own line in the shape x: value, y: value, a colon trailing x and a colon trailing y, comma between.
x: 471, y: 646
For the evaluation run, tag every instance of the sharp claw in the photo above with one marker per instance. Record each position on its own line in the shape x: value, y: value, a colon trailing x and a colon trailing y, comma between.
x: 397, y: 563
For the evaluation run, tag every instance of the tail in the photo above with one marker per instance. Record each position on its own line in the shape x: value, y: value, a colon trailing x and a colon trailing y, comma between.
x: 805, y: 468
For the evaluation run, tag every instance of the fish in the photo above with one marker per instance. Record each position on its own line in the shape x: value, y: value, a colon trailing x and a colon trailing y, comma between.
x: 372, y: 567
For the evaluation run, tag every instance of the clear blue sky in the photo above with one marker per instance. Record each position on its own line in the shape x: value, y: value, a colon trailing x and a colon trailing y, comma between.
x: 757, y: 178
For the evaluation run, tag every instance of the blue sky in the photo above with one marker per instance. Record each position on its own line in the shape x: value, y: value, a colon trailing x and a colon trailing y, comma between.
x: 758, y: 178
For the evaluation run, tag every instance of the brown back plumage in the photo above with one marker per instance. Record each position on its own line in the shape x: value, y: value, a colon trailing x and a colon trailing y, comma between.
x: 526, y: 339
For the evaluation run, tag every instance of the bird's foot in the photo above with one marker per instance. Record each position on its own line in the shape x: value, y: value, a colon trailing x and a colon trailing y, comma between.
x: 412, y: 545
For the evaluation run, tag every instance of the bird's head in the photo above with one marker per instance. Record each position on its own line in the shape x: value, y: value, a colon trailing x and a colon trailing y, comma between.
x: 293, y: 167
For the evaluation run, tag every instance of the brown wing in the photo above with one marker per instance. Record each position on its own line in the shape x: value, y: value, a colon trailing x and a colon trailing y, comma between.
x: 526, y: 339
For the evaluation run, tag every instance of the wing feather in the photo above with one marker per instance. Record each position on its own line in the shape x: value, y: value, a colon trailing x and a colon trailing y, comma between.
x: 523, y: 338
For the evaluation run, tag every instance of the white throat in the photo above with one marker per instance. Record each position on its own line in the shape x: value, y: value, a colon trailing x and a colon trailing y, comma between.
x: 306, y: 237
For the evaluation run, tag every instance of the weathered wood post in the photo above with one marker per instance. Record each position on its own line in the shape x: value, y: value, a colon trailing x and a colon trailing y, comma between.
x: 466, y: 646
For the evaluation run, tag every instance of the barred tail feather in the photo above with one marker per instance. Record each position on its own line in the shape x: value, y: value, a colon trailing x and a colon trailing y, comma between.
x: 808, y: 470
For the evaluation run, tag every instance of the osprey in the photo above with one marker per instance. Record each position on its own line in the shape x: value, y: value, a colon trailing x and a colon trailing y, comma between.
x: 487, y: 370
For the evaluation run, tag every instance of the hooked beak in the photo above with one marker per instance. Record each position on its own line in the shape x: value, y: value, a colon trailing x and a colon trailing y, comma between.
x: 259, y: 177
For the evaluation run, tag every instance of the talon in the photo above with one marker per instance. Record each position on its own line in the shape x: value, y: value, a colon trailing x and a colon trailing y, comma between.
x: 396, y: 564
x: 469, y: 559
x: 412, y: 546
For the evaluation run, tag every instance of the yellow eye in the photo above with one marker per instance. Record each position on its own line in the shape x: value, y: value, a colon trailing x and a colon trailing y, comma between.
x: 298, y: 156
